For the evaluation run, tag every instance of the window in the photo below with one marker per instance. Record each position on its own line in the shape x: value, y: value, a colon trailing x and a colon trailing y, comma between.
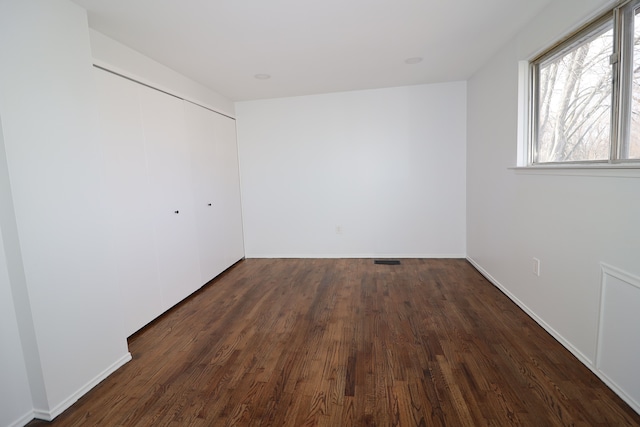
x: 586, y: 94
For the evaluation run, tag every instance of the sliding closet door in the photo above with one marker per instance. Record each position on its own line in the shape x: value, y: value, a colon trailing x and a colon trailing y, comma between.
x: 216, y: 183
x: 201, y: 131
x: 228, y: 188
x: 174, y: 189
x: 169, y: 164
x: 130, y: 199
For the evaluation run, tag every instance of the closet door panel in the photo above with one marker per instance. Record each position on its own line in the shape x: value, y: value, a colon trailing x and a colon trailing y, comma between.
x: 201, y: 131
x: 228, y: 188
x: 130, y: 199
x: 216, y: 182
x: 169, y: 165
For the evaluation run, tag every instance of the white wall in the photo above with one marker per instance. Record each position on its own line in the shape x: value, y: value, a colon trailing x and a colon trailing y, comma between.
x: 59, y: 265
x: 571, y: 223
x: 16, y: 407
x: 15, y: 396
x: 363, y: 173
x: 110, y: 54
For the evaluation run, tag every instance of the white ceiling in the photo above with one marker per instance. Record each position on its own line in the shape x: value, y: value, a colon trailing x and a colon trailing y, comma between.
x: 313, y: 46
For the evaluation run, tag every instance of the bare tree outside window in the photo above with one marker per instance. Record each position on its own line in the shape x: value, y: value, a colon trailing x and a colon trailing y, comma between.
x: 574, y: 109
x: 586, y: 94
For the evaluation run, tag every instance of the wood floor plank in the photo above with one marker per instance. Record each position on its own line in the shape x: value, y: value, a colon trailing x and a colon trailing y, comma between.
x: 346, y: 342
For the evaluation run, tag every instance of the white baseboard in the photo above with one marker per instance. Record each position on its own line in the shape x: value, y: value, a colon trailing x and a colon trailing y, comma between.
x: 352, y: 256
x: 23, y: 420
x: 577, y: 353
x: 619, y: 391
x: 60, y: 408
x: 555, y: 334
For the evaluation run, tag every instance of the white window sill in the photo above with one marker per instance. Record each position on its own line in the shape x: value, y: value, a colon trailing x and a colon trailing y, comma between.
x: 604, y: 170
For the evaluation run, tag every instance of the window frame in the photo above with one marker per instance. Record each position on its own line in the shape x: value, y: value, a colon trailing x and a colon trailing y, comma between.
x: 621, y: 19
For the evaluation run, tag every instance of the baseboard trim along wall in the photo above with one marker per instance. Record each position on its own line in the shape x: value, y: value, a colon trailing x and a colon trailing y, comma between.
x: 577, y: 353
x: 350, y: 256
x: 555, y: 334
x: 59, y: 409
x: 23, y: 420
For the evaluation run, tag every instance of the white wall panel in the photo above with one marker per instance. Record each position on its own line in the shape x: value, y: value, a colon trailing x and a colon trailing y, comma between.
x: 15, y: 395
x: 365, y: 173
x: 16, y: 405
x: 618, y: 338
x: 130, y: 199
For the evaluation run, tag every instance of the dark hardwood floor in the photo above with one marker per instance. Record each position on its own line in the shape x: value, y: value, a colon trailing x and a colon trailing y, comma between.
x: 348, y: 343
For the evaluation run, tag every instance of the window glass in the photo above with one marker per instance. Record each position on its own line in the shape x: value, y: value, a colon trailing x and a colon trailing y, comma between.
x: 574, y: 101
x: 633, y: 151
